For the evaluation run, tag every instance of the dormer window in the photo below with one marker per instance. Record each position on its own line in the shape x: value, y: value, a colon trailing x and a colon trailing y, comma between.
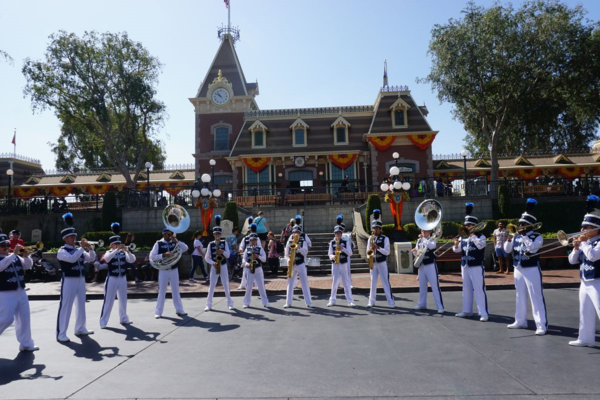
x: 258, y: 131
x: 340, y: 131
x: 399, y: 113
x: 299, y: 133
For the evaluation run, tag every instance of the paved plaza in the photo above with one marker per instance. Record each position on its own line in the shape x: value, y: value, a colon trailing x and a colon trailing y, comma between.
x: 336, y: 352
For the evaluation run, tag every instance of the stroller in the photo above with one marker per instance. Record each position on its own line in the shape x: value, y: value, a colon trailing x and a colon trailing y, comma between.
x: 42, y: 269
x: 235, y: 268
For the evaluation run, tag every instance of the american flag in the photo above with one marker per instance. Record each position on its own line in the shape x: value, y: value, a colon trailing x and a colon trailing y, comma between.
x: 14, y: 141
x: 226, y: 3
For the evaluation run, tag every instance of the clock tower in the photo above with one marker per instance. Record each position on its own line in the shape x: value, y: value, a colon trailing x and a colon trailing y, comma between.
x: 220, y: 104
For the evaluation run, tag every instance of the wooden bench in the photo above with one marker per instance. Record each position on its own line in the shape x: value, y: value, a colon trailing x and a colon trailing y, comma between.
x: 84, y: 206
x: 293, y: 199
x: 542, y: 190
x: 257, y: 201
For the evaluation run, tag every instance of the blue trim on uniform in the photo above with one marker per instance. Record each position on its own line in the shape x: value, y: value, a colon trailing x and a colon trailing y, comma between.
x: 105, y: 290
x: 437, y: 277
x: 484, y: 291
x: 543, y: 299
x: 60, y: 304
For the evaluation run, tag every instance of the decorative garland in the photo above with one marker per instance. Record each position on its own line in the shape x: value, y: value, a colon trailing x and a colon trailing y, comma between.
x: 570, y: 172
x: 97, y: 189
x: 422, y: 141
x: 382, y: 143
x: 528, y: 174
x: 256, y: 164
x: 343, y: 161
x: 25, y: 191
x: 173, y: 188
x: 61, y: 191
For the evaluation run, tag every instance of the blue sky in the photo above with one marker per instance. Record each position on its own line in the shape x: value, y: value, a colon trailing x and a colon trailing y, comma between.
x: 305, y: 53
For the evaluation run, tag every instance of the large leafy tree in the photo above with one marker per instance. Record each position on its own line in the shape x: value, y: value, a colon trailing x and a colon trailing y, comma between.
x: 519, y: 79
x: 102, y: 87
x: 4, y: 55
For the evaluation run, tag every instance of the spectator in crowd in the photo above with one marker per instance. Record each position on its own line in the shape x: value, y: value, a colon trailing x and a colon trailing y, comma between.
x: 273, y: 254
x: 128, y: 242
x: 15, y: 239
x: 500, y: 237
x: 148, y: 271
x: 197, y: 257
x: 233, y: 248
x: 287, y: 231
x: 439, y: 188
x: 345, y: 184
x: 262, y: 228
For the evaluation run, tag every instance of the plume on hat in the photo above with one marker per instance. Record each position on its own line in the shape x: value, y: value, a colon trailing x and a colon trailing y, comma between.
x: 115, y: 227
x: 68, y: 218
x: 592, y: 205
x: 250, y: 220
x: 298, y: 219
x: 217, y: 220
x: 530, y: 205
x: 253, y: 228
x: 339, y: 219
x: 469, y: 208
x: 376, y: 213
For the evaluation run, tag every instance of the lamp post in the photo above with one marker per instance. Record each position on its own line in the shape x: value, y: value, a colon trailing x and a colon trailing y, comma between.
x: 212, y: 169
x: 395, y: 196
x: 206, y: 205
x: 464, y: 154
x: 10, y: 174
x: 148, y: 165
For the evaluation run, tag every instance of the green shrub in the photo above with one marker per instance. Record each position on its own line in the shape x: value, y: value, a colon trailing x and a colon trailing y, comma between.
x: 109, y: 210
x: 373, y: 203
x: 387, y: 230
x: 231, y: 213
x: 503, y: 202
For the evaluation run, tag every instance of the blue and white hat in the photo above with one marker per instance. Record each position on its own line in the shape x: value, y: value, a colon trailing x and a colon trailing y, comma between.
x: 337, y: 229
x: 166, y: 230
x: 253, y: 227
x: 70, y: 231
x: 527, y: 217
x: 297, y: 228
x: 470, y: 219
x: 253, y: 236
x: 217, y: 227
x: 592, y: 217
x: 376, y: 224
x: 115, y: 227
x: 4, y: 239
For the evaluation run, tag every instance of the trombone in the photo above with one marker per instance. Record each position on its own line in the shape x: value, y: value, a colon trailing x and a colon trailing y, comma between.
x: 463, y: 232
x: 564, y: 240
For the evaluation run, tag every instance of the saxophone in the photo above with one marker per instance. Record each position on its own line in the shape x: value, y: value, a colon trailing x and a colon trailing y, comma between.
x: 219, y: 258
x: 253, y: 261
x: 293, y: 247
x: 371, y: 252
x: 337, y: 252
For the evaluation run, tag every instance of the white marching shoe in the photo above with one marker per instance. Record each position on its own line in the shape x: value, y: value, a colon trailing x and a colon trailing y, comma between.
x: 515, y: 325
x: 463, y: 314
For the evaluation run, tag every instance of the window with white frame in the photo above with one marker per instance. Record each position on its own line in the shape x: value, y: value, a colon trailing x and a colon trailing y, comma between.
x: 300, y: 137
x: 340, y: 131
x: 400, y: 113
x: 258, y: 139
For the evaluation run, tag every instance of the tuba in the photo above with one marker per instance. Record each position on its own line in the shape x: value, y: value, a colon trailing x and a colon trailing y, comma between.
x: 177, y: 220
x: 293, y: 247
x: 428, y: 216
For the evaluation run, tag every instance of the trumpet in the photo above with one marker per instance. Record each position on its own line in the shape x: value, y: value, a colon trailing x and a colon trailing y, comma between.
x: 464, y: 232
x: 31, y: 249
x: 371, y: 252
x: 99, y: 243
x: 131, y: 246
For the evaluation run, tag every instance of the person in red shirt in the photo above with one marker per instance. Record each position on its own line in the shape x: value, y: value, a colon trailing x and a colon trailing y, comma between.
x: 16, y: 239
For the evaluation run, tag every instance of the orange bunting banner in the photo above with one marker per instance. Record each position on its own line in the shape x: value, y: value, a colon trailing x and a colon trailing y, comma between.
x: 450, y: 175
x: 61, y: 191
x: 141, y: 185
x: 25, y: 191
x: 343, y: 160
x: 570, y: 172
x: 382, y: 143
x: 173, y: 188
x: 97, y: 189
x: 528, y: 174
x: 422, y: 141
x: 487, y: 174
x: 256, y: 164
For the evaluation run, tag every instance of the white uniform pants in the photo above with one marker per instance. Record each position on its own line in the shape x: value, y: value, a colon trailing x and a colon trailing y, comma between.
x: 380, y: 270
x: 429, y: 273
x: 72, y: 290
x: 529, y: 280
x: 589, y: 307
x: 245, y: 274
x: 166, y: 277
x: 114, y: 285
x: 14, y: 306
x: 473, y: 281
x: 349, y: 274
x: 300, y: 272
x: 213, y: 282
x: 340, y: 272
x: 258, y: 278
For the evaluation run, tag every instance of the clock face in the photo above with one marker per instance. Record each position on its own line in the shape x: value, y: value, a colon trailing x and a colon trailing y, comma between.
x: 299, y: 161
x: 220, y: 96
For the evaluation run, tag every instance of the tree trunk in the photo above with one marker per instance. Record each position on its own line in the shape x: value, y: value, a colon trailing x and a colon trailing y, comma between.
x: 494, y: 172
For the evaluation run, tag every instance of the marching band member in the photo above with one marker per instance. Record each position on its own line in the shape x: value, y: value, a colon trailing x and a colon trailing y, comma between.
x: 161, y: 249
x: 254, y: 253
x: 71, y: 261
x: 527, y: 272
x: 428, y: 272
x: 380, y: 245
x: 304, y: 237
x: 586, y: 253
x: 216, y: 257
x: 14, y: 303
x: 243, y: 244
x: 472, y: 250
x: 117, y: 259
x: 340, y: 248
x: 348, y: 238
x: 299, y: 267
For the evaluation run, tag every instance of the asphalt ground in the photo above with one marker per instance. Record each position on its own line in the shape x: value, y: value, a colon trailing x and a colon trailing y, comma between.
x: 277, y: 353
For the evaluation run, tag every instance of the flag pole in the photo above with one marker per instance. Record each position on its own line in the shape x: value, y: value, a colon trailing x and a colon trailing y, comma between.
x: 229, y: 15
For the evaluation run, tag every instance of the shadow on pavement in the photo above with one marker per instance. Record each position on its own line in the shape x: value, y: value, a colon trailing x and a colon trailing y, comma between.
x: 13, y: 370
x: 133, y: 333
x: 90, y: 349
